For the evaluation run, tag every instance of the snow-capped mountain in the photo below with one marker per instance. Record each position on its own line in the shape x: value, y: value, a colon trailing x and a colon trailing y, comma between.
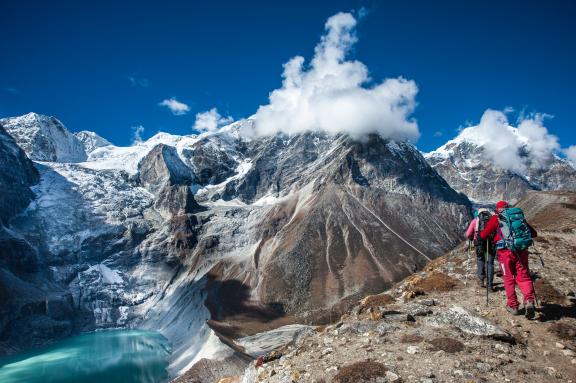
x: 465, y: 166
x: 176, y: 231
x: 44, y: 138
x: 91, y: 141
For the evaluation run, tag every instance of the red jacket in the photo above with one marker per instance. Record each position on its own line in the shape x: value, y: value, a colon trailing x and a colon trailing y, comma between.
x: 491, y: 229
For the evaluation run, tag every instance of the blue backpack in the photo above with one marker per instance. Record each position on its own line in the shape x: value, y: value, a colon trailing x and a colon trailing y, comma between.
x: 514, y: 231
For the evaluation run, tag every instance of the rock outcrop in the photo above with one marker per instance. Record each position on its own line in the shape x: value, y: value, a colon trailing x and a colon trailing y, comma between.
x: 164, y: 174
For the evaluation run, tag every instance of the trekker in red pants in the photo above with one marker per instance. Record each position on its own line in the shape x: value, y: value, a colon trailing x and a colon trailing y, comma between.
x: 514, y: 267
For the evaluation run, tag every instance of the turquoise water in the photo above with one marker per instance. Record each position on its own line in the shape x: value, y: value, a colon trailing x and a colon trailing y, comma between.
x: 115, y: 356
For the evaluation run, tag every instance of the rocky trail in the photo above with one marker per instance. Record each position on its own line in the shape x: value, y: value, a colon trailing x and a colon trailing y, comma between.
x: 435, y: 326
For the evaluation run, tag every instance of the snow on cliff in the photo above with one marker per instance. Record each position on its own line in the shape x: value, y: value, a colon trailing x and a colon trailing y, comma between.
x: 44, y: 138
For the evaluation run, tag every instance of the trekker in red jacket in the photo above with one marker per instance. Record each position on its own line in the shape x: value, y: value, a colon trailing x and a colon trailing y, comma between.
x: 514, y: 267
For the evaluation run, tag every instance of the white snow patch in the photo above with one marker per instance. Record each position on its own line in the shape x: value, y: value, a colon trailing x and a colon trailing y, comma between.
x: 241, y: 170
x: 109, y: 276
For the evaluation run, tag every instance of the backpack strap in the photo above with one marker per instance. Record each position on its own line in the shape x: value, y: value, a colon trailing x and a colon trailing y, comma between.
x: 501, y: 244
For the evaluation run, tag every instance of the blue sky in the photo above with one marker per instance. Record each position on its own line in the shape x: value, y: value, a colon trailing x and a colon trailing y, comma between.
x: 103, y: 66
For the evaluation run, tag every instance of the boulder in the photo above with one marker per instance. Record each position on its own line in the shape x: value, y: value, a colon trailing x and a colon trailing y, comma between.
x: 469, y: 323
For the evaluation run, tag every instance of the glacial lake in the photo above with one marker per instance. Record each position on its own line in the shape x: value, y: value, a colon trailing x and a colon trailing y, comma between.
x: 113, y: 356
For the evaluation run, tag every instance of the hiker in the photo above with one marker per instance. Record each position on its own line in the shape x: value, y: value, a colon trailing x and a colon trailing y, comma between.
x: 484, y: 268
x: 512, y: 236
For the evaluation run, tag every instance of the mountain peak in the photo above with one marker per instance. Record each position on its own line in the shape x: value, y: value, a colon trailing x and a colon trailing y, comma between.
x: 44, y: 138
x: 471, y: 136
x: 91, y: 140
x: 486, y: 169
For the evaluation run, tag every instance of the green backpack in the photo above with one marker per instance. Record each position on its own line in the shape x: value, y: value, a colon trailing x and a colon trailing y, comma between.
x: 514, y: 231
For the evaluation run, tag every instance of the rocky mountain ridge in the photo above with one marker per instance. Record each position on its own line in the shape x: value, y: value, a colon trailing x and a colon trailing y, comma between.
x: 462, y: 162
x: 154, y: 235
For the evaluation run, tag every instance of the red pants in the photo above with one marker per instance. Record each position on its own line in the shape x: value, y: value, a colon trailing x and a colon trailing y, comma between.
x: 515, y: 271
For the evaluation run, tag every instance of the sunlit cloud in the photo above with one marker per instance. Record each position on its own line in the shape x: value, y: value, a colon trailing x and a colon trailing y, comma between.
x: 210, y: 121
x: 176, y: 107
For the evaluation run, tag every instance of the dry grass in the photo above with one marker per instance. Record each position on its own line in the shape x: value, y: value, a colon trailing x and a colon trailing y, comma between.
x: 373, y: 301
x: 435, y: 281
x: 446, y: 344
x: 360, y: 372
x: 547, y: 294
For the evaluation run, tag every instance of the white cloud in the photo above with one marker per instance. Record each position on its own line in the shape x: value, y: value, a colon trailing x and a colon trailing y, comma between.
x: 503, y: 146
x: 541, y: 144
x: 333, y: 94
x: 137, y: 134
x: 210, y: 120
x: 139, y: 81
x: 503, y: 143
x: 176, y: 107
x: 570, y: 153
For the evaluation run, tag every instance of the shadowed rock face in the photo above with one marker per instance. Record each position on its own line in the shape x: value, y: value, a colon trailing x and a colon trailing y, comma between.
x: 211, y: 164
x: 22, y: 305
x: 162, y: 166
x: 17, y: 174
x: 163, y: 173
x: 463, y: 166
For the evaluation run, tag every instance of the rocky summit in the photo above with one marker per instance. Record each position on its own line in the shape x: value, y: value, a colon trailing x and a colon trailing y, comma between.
x: 233, y: 247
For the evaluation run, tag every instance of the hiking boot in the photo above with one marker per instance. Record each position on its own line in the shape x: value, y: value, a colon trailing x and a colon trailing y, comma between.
x: 513, y: 311
x: 530, y: 310
x: 492, y: 289
x: 481, y: 283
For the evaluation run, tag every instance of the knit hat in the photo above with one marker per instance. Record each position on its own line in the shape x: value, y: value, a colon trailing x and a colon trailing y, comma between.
x: 501, y: 205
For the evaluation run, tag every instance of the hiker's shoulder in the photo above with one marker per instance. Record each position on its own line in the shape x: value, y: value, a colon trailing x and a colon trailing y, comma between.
x: 493, y: 218
x: 492, y: 222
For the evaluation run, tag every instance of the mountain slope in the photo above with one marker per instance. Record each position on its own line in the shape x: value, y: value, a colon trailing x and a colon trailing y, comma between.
x: 465, y: 166
x: 435, y: 325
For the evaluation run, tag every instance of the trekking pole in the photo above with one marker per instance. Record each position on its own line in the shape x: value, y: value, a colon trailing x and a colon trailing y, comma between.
x: 467, y: 265
x: 539, y: 255
x: 534, y: 283
x: 486, y: 272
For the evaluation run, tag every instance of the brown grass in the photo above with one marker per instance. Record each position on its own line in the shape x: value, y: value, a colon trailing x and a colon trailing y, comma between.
x: 360, y: 372
x: 435, y: 281
x: 547, y: 294
x: 446, y: 344
x: 411, y: 338
x: 373, y: 301
x: 563, y: 330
